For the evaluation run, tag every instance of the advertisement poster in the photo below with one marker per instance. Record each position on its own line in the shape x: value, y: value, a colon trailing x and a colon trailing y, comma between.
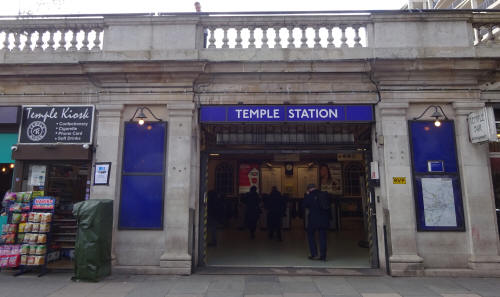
x: 101, y: 173
x: 37, y: 175
x: 330, y: 178
x: 248, y: 176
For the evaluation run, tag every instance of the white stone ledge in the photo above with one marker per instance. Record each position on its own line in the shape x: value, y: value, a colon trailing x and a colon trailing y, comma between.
x: 252, y: 55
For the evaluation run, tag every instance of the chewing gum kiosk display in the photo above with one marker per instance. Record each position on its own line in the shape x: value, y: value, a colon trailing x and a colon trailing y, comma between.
x: 25, y: 237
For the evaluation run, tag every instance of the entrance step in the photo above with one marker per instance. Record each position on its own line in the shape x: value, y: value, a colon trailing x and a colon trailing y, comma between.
x: 291, y: 271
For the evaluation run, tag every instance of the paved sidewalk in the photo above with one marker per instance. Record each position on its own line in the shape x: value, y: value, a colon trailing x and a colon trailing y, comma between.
x: 60, y: 285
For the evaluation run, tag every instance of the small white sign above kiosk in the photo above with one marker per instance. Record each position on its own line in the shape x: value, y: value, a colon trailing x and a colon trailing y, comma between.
x: 482, y: 126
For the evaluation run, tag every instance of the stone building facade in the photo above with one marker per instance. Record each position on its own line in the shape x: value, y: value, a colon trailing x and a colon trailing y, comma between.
x: 398, y: 62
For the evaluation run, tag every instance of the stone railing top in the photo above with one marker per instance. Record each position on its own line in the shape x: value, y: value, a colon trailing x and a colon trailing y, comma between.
x: 228, y: 36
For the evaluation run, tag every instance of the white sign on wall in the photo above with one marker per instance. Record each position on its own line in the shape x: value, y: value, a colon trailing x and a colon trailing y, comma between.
x: 482, y: 125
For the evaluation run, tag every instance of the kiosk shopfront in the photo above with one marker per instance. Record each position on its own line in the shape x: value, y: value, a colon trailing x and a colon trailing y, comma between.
x: 54, y: 155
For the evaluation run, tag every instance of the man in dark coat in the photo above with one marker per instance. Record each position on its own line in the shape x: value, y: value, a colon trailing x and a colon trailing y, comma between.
x: 275, y: 205
x: 252, y: 210
x: 318, y: 221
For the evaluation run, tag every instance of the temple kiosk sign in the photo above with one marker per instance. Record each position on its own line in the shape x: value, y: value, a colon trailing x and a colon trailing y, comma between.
x: 68, y: 124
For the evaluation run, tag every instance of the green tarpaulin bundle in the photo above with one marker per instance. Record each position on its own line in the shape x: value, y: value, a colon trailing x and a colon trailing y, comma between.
x: 93, y: 240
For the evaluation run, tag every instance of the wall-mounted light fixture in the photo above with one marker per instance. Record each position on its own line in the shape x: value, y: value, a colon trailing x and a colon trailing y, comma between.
x: 140, y: 116
x: 437, y: 114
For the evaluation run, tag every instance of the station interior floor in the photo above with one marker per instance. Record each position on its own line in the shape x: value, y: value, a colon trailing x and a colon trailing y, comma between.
x: 235, y: 248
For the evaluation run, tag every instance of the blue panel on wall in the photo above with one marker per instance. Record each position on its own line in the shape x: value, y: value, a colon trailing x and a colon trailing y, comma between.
x: 433, y: 143
x: 144, y: 146
x: 141, y: 205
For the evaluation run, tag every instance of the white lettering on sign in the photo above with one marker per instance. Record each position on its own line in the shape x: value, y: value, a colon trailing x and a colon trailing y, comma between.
x: 312, y: 113
x: 264, y: 113
x: 67, y: 113
x: 52, y: 114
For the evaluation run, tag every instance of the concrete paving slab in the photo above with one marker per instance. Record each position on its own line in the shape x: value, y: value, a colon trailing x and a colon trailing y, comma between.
x: 380, y: 295
x: 460, y: 295
x: 227, y: 285
x: 370, y: 285
x: 256, y: 288
x: 334, y: 286
x: 224, y: 294
x: 301, y: 295
x: 299, y: 287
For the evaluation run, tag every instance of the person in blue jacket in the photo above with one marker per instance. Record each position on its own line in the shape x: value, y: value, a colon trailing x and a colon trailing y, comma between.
x: 318, y: 221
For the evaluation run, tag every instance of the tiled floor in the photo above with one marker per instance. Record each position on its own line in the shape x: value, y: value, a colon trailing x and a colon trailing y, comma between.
x: 235, y: 248
x: 60, y: 285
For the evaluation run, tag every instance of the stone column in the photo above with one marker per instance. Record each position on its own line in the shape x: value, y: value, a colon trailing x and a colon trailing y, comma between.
x: 176, y: 258
x: 477, y: 193
x: 108, y: 140
x: 400, y: 201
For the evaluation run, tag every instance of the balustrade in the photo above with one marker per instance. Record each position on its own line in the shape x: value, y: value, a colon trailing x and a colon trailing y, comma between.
x: 487, y: 33
x: 286, y: 36
x: 62, y: 38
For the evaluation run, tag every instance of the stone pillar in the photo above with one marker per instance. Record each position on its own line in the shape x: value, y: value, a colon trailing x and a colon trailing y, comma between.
x: 397, y: 163
x: 477, y: 193
x: 108, y: 140
x: 176, y: 259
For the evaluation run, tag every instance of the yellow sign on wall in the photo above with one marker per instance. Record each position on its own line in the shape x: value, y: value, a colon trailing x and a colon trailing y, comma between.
x: 400, y: 180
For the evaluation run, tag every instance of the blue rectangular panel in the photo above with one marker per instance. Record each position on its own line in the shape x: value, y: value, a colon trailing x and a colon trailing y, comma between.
x: 213, y: 114
x: 242, y: 113
x: 287, y: 113
x: 358, y: 113
x: 144, y: 147
x: 315, y: 113
x: 433, y: 143
x: 141, y: 205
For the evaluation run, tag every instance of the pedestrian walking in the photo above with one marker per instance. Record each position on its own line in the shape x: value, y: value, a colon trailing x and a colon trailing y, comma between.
x: 317, y: 202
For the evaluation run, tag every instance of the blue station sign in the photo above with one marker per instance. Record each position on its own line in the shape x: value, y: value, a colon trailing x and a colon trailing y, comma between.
x: 286, y: 113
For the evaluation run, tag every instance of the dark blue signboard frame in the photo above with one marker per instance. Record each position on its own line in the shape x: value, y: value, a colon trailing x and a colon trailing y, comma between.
x: 143, y: 176
x: 285, y: 113
x: 431, y: 143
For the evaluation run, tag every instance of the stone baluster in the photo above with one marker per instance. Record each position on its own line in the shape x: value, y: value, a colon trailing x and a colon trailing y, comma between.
x: 225, y: 40
x: 264, y: 38
x: 97, y: 40
x: 39, y: 40
x: 211, y: 40
x: 73, y: 41
x: 85, y: 40
x: 277, y: 38
x: 330, y: 38
x: 51, y: 42
x: 357, y: 39
x: 62, y: 41
x: 6, y: 42
x: 17, y: 42
x: 28, y: 43
x: 490, y: 35
x: 317, y: 39
x: 343, y: 39
x: 290, y: 38
x: 238, y: 38
x: 251, y: 40
x: 303, y: 39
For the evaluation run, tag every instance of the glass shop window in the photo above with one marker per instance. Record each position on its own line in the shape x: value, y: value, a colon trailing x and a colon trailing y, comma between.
x: 224, y: 178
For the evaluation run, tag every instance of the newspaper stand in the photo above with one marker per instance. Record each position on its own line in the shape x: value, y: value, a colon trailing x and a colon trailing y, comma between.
x: 17, y: 207
x: 35, y: 249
